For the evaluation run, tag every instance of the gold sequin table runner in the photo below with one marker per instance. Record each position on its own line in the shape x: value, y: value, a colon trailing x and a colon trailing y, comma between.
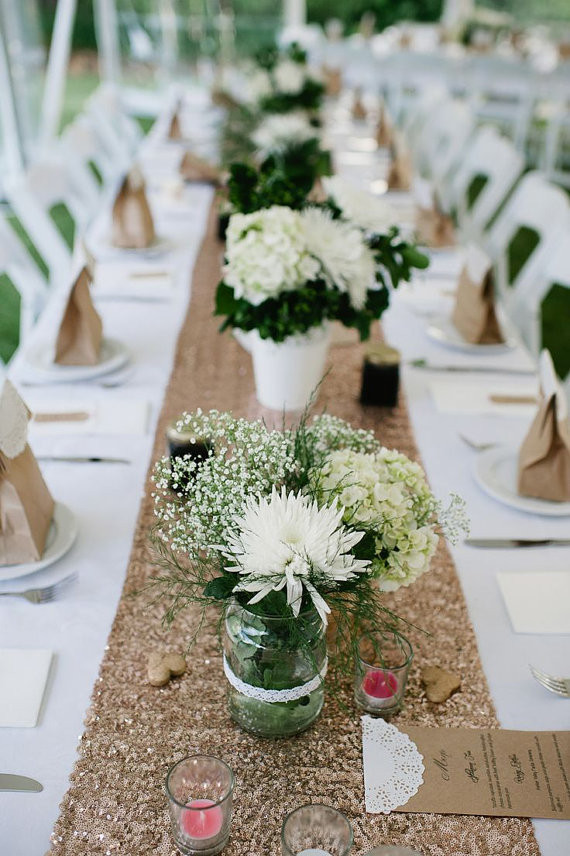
x: 134, y: 732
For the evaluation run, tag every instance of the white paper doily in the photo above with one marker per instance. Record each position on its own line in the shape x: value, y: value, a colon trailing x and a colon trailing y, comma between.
x: 393, y: 767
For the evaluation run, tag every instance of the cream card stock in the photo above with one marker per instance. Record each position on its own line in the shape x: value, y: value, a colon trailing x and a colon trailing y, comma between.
x: 537, y: 602
x: 23, y: 678
x: 469, y: 397
x: 82, y: 416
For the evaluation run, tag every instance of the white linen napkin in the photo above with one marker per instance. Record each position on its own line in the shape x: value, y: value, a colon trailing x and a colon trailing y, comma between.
x: 116, y: 416
x: 537, y: 602
x: 23, y: 678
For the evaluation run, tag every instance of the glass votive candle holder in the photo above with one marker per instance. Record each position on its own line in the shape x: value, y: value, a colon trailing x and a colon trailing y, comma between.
x: 185, y: 444
x: 316, y: 830
x: 381, y: 672
x: 200, y: 790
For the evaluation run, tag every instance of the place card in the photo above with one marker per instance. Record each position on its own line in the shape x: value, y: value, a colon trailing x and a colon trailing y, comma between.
x: 495, y: 773
x: 23, y: 678
x: 537, y: 602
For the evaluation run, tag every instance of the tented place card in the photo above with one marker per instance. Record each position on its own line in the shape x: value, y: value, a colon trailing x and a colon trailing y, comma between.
x: 544, y: 459
x: 474, y: 313
x: 537, y: 602
x: 493, y: 773
x: 23, y: 678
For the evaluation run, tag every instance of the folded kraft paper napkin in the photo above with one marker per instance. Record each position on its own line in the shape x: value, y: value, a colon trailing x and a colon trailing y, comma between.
x: 80, y: 332
x: 434, y: 228
x: 194, y: 168
x: 401, y: 171
x: 384, y: 128
x: 544, y: 458
x: 175, y: 126
x: 133, y: 226
x: 474, y: 312
x: 26, y: 505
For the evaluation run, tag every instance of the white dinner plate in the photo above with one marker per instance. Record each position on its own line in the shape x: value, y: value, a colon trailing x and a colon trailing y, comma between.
x: 103, y: 250
x: 114, y: 355
x: 496, y: 472
x: 62, y: 534
x: 444, y: 331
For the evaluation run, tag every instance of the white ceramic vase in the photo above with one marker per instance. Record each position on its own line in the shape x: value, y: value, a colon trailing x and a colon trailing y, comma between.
x: 286, y: 373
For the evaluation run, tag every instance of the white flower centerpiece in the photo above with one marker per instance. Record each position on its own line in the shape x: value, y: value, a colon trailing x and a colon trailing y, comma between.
x: 288, y: 274
x: 279, y: 528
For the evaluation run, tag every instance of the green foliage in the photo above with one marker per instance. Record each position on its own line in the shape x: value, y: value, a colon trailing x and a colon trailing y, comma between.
x: 10, y: 302
x: 309, y: 98
x: 387, y: 11
x: 555, y: 327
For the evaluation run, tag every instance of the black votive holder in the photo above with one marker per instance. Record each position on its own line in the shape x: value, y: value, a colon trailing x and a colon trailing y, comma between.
x: 182, y: 444
x: 380, y: 376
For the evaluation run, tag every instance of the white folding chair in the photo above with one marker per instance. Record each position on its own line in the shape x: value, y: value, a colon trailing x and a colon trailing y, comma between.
x: 502, y: 91
x: 544, y: 309
x: 83, y: 140
x: 445, y: 133
x: 486, y: 173
x: 34, y: 195
x: 527, y: 230
x: 121, y: 133
x: 18, y: 271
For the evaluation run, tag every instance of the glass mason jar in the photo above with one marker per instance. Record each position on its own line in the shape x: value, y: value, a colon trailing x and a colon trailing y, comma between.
x: 275, y: 667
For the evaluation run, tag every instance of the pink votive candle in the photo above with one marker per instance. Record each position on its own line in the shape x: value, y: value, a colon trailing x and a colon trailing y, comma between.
x: 380, y: 685
x: 202, y: 819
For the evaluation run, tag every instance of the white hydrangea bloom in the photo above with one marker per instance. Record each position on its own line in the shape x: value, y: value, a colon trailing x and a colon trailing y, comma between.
x: 371, y: 213
x: 346, y: 259
x: 257, y: 85
x: 287, y: 542
x: 387, y: 492
x: 289, y: 76
x: 266, y: 254
x: 277, y: 132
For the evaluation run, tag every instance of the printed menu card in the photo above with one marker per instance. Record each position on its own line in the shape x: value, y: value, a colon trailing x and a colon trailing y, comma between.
x: 492, y: 772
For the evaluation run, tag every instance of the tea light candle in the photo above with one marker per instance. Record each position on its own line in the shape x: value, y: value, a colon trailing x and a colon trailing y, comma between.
x: 380, y: 687
x: 205, y: 823
x: 312, y: 851
x: 380, y: 376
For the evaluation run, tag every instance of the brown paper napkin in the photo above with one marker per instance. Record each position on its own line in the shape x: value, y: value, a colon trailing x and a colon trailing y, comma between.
x: 434, y: 228
x: 358, y: 110
x: 401, y: 169
x: 80, y: 333
x: 474, y: 312
x: 194, y: 168
x: 175, y: 128
x: 333, y: 80
x: 544, y: 458
x: 133, y: 226
x: 26, y: 505
x: 384, y: 130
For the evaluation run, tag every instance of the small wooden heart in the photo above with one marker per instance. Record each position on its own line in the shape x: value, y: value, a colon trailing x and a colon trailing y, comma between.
x: 439, y: 683
x: 162, y: 667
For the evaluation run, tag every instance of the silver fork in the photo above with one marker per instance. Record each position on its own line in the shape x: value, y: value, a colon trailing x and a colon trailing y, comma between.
x: 560, y: 686
x: 473, y: 444
x: 41, y: 595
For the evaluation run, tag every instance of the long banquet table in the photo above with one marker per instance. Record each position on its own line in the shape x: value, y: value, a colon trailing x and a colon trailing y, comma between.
x: 76, y: 627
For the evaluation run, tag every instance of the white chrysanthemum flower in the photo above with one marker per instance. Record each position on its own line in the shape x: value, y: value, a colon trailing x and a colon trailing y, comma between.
x: 287, y: 542
x: 388, y: 493
x: 365, y: 210
x: 346, y: 259
x: 266, y: 254
x: 289, y: 76
x: 277, y: 132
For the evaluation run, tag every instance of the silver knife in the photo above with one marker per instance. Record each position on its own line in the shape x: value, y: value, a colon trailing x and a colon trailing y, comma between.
x: 424, y: 364
x: 11, y: 782
x: 500, y: 543
x: 76, y: 459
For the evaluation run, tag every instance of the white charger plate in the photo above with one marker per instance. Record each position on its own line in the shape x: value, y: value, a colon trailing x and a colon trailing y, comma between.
x: 62, y: 534
x: 496, y: 471
x: 444, y: 332
x: 114, y: 355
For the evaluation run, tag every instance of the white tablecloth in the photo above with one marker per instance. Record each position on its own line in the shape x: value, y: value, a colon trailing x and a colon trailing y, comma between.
x: 105, y: 499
